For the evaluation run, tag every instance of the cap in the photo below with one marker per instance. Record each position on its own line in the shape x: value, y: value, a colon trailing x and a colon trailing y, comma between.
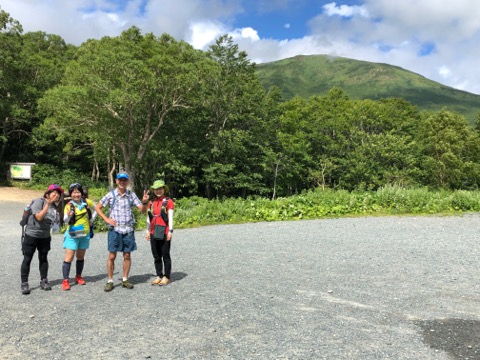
x: 55, y: 187
x: 123, y: 175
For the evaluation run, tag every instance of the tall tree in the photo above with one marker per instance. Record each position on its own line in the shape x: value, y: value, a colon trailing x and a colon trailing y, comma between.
x: 10, y: 59
x: 121, y: 90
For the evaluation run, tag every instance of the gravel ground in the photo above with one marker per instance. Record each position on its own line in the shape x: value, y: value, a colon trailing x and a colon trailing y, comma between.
x: 359, y: 288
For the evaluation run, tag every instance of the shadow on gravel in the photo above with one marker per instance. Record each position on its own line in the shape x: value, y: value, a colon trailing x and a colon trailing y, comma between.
x: 146, y: 278
x: 458, y: 337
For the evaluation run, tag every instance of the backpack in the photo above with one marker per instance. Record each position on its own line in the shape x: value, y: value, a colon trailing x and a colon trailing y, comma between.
x: 27, y: 212
x: 163, y: 211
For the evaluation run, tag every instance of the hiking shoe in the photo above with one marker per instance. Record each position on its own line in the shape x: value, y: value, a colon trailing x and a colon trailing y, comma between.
x: 108, y: 287
x: 157, y: 280
x: 79, y: 280
x: 127, y: 284
x: 66, y: 284
x: 164, y: 281
x: 45, y: 285
x: 25, y: 288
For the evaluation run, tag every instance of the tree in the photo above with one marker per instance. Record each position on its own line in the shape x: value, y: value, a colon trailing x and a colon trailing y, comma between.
x: 10, y: 58
x: 450, y: 151
x: 120, y: 91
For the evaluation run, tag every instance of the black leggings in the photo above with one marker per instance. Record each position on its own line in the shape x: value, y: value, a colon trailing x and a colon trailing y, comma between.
x: 161, y: 256
x: 30, y: 244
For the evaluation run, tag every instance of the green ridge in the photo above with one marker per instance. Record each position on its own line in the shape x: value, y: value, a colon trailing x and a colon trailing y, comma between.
x: 306, y: 76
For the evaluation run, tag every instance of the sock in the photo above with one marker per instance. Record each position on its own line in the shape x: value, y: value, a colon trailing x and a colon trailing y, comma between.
x: 80, y: 266
x: 66, y: 269
x: 125, y: 279
x: 110, y: 280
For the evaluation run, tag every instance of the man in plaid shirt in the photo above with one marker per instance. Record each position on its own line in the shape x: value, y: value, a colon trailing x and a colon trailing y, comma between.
x: 121, y: 235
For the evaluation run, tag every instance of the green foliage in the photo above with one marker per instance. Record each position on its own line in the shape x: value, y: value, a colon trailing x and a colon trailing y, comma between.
x: 389, y: 200
x: 44, y: 175
x: 314, y: 75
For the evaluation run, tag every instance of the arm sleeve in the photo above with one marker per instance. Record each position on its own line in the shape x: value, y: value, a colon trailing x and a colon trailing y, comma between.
x: 170, y: 219
x: 66, y: 210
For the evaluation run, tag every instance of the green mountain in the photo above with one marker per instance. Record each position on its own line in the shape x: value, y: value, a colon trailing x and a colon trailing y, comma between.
x: 306, y: 76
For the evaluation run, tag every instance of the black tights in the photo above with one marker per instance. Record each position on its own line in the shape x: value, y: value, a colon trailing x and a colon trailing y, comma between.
x: 161, y: 256
x: 30, y: 245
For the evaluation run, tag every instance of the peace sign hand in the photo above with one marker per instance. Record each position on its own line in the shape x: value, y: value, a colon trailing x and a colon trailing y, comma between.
x: 146, y: 196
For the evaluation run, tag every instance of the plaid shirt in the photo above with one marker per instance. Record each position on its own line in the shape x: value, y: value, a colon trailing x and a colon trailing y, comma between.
x: 122, y: 212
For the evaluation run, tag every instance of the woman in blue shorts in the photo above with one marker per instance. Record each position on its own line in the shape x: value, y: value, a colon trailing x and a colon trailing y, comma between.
x: 79, y: 215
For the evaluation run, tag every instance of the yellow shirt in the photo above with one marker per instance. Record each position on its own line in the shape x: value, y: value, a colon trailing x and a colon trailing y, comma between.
x: 81, y: 216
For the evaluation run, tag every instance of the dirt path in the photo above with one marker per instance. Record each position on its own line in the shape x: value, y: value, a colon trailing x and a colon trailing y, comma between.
x: 18, y: 195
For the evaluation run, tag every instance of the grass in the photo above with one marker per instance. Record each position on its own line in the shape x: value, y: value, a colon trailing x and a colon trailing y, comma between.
x: 317, y: 204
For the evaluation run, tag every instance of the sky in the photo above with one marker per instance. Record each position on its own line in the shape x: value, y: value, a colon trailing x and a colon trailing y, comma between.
x: 439, y: 39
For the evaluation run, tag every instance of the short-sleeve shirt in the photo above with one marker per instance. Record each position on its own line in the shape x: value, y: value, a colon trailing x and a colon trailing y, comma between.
x: 122, y: 209
x: 41, y: 229
x: 81, y: 214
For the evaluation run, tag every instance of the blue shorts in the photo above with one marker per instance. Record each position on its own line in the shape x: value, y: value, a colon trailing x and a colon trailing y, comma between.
x: 121, y: 242
x: 81, y: 243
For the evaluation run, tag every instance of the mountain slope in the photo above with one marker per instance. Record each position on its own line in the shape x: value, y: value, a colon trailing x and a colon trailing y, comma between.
x: 306, y: 76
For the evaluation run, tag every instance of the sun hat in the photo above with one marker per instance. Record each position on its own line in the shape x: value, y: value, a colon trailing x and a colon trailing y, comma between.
x: 123, y: 175
x: 54, y: 187
x: 159, y: 184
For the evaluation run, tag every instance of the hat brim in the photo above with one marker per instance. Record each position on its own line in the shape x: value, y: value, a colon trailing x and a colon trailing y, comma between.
x: 158, y: 187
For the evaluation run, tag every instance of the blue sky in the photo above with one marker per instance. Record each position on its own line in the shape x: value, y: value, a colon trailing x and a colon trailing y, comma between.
x: 439, y: 39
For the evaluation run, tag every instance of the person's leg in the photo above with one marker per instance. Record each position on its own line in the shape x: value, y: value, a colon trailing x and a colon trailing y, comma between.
x: 28, y: 247
x: 43, y: 249
x: 157, y: 259
x: 79, y: 266
x: 67, y: 263
x: 167, y: 261
x: 111, y: 265
x: 127, y: 263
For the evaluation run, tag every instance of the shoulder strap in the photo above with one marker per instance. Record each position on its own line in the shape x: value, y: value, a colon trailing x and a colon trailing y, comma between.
x: 113, y: 200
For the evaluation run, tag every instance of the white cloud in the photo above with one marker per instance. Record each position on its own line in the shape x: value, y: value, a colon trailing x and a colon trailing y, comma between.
x: 387, y: 31
x: 345, y: 10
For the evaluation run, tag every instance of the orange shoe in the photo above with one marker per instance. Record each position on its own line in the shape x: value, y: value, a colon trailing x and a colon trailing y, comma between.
x: 65, y: 284
x: 79, y: 280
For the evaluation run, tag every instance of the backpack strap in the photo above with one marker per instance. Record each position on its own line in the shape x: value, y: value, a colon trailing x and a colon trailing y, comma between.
x: 163, y: 211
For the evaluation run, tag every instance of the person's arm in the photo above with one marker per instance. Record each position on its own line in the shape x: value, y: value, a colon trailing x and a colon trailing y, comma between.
x: 147, y: 234
x: 43, y: 212
x: 109, y: 221
x: 144, y: 205
x: 68, y: 213
x: 170, y: 224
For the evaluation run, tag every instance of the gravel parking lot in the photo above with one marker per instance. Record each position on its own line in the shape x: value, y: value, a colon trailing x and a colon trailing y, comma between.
x: 356, y: 288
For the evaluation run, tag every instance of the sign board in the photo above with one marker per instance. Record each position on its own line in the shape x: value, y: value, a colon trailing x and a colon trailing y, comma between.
x: 21, y: 170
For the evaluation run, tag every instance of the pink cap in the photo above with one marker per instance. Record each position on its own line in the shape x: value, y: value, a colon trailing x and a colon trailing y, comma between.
x: 55, y: 187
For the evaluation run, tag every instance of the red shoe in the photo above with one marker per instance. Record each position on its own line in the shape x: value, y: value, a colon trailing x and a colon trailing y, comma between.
x: 79, y: 280
x: 65, y: 285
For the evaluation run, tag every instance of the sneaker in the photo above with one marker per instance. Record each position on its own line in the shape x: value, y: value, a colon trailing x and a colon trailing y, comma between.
x: 79, y: 280
x: 25, y: 288
x: 164, y: 281
x: 108, y: 287
x: 157, y: 280
x: 66, y: 284
x: 127, y: 284
x: 45, y: 285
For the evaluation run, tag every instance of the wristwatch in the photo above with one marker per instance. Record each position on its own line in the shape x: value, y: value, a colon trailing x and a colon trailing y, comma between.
x: 170, y: 231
